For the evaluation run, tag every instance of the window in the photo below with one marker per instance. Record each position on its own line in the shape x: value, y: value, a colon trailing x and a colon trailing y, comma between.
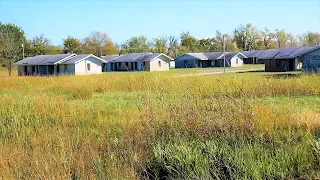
x: 237, y: 60
x: 127, y: 64
x: 88, y: 67
x: 65, y: 67
x: 159, y: 63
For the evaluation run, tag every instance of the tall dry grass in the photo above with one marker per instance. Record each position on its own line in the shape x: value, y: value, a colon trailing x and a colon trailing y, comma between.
x: 151, y: 125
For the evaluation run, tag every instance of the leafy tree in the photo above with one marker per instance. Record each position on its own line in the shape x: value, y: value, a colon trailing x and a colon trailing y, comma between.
x: 98, y: 43
x: 309, y: 39
x: 267, y: 38
x: 11, y: 38
x: 205, y: 45
x: 160, y: 45
x: 246, y: 37
x: 54, y: 50
x: 217, y: 43
x: 281, y: 37
x: 189, y: 42
x: 173, y: 46
x: 72, y: 45
x: 136, y: 44
x: 39, y: 45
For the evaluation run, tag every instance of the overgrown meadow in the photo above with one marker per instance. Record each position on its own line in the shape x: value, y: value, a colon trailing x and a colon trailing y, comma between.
x: 159, y: 126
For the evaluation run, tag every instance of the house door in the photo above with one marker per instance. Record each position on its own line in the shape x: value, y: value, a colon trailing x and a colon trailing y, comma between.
x: 50, y: 70
x: 25, y: 70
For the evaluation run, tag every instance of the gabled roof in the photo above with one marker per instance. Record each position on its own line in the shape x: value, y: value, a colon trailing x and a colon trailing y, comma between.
x: 108, y: 57
x: 293, y: 52
x: 288, y: 53
x: 253, y: 53
x: 44, y: 59
x: 213, y: 55
x: 78, y: 58
x: 270, y: 54
x: 134, y: 57
x: 230, y: 55
x: 150, y: 57
x: 199, y: 56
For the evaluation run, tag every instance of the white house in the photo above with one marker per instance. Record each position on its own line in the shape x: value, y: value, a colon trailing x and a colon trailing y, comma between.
x: 232, y: 59
x: 138, y: 62
x: 60, y: 64
x: 209, y: 59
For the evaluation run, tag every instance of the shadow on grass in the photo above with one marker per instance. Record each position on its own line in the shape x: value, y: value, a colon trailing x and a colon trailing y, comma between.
x: 284, y: 76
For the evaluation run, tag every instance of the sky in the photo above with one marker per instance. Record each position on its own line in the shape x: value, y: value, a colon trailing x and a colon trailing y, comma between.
x: 122, y: 19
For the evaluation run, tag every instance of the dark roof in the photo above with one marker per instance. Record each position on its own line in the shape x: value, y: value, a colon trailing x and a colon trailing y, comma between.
x: 269, y: 54
x: 149, y: 57
x: 108, y: 57
x: 253, y: 53
x: 213, y: 55
x: 200, y: 56
x: 75, y: 59
x: 293, y: 52
x: 229, y: 55
x: 287, y: 53
x: 43, y: 59
x: 134, y: 57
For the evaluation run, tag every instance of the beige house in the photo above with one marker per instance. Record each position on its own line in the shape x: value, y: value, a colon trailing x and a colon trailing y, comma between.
x: 60, y: 64
x: 138, y: 62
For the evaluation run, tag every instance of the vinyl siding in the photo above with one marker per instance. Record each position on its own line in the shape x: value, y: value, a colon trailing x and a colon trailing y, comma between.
x: 154, y: 64
x: 81, y: 67
x: 185, y: 61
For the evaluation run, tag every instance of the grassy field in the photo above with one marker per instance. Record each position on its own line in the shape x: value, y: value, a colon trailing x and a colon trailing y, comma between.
x: 156, y: 126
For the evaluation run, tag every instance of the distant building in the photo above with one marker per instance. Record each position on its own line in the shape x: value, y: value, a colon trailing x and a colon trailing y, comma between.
x: 306, y: 58
x: 137, y: 62
x: 252, y: 57
x: 209, y: 59
x: 60, y: 64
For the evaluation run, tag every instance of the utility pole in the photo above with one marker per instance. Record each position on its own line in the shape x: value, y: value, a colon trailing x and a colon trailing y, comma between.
x: 22, y: 50
x: 224, y: 55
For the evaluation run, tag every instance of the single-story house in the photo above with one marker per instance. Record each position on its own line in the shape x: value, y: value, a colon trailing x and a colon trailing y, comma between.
x: 306, y: 58
x: 138, y: 62
x: 232, y: 59
x: 192, y: 60
x: 253, y: 57
x: 209, y: 59
x: 60, y: 64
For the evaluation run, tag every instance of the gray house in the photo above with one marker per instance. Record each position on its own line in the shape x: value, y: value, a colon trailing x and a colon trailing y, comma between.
x: 209, y: 59
x: 137, y: 62
x: 252, y: 57
x: 306, y: 58
x: 60, y: 64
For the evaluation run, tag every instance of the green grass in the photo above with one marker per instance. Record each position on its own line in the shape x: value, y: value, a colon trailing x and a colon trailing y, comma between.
x: 142, y: 125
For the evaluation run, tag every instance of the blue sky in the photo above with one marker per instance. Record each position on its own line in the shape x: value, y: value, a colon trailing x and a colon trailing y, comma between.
x: 123, y: 19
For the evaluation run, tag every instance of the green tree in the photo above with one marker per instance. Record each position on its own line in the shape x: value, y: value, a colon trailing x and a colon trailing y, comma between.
x: 189, y: 42
x: 246, y: 37
x: 205, y: 45
x: 11, y: 38
x: 267, y: 38
x: 39, y: 45
x: 217, y: 43
x: 137, y: 44
x: 281, y: 37
x: 72, y: 45
x: 160, y: 45
x: 309, y: 39
x: 98, y: 43
x: 173, y: 46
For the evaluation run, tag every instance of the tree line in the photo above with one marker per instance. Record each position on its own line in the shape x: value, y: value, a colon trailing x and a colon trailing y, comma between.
x: 244, y: 38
